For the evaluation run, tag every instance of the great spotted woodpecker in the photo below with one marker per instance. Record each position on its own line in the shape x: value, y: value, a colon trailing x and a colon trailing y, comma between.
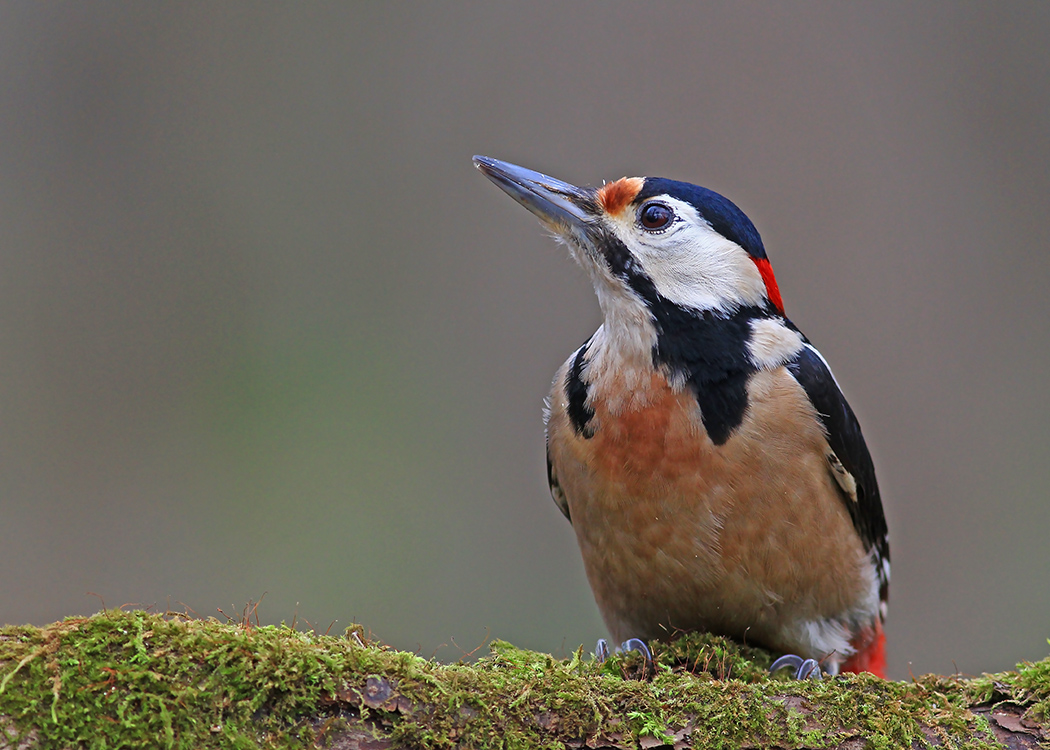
x: 710, y: 466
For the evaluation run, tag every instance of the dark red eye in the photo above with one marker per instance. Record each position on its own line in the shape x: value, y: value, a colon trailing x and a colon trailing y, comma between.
x: 655, y: 216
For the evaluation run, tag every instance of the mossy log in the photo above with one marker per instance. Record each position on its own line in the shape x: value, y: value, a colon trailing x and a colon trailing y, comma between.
x: 135, y: 679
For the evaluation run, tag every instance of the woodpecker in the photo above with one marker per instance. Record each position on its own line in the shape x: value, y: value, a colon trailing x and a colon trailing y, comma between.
x: 714, y: 474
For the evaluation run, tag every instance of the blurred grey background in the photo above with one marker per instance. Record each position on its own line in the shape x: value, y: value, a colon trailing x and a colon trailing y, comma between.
x: 263, y: 328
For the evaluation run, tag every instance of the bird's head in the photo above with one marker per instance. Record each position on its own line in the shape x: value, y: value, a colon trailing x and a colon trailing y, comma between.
x: 651, y: 241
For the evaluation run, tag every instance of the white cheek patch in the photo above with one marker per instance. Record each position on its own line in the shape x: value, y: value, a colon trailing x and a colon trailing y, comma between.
x: 772, y: 343
x: 691, y: 264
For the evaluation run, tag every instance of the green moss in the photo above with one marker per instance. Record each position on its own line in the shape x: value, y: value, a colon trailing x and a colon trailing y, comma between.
x: 133, y: 679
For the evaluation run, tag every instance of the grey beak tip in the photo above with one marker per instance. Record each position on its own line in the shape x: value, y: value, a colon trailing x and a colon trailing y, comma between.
x: 556, y: 203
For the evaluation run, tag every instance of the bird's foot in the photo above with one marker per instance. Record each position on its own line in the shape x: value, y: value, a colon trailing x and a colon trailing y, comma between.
x: 803, y: 668
x: 601, y: 652
x: 636, y: 644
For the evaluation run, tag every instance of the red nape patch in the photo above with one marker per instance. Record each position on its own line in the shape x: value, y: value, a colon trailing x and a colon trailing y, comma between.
x: 771, y: 283
x: 871, y: 658
x: 614, y: 197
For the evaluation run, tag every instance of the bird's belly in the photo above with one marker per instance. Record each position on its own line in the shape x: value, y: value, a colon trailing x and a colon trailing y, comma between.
x: 743, y: 538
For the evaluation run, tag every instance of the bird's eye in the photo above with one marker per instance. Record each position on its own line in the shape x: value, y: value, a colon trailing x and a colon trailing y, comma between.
x: 654, y: 216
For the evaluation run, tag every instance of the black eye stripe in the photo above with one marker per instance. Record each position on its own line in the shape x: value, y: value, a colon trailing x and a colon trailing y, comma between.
x: 655, y: 216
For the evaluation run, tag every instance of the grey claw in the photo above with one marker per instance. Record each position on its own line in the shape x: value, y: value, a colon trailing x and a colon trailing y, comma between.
x: 787, y: 660
x: 601, y: 651
x: 636, y: 644
x: 809, y: 669
x: 803, y: 668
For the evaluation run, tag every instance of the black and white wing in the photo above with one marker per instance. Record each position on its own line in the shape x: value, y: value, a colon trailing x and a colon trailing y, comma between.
x: 850, y: 461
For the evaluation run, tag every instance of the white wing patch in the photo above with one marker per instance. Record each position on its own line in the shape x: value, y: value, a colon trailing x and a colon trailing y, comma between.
x: 842, y: 476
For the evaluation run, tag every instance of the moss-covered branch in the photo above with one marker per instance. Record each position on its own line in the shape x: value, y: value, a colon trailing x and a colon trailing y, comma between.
x: 133, y: 679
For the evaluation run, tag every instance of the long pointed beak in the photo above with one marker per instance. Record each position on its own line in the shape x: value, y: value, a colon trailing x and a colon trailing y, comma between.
x: 564, y: 208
